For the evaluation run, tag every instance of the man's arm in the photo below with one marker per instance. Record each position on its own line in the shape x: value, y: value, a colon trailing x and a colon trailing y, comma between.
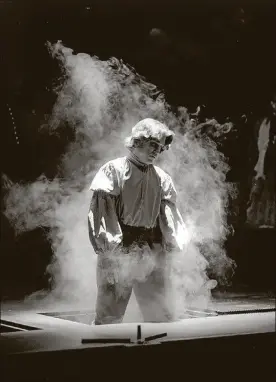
x: 170, y: 220
x: 104, y: 229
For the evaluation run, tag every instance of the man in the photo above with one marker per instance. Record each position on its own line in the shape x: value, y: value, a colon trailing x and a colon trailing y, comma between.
x: 133, y: 225
x: 261, y: 204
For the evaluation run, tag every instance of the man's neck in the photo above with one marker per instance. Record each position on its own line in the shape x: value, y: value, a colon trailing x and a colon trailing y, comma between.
x: 136, y: 161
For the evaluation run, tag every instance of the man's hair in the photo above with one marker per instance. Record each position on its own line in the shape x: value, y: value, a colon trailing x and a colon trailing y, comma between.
x: 148, y: 129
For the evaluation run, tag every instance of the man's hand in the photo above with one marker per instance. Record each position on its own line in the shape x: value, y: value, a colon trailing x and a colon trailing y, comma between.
x: 109, y: 268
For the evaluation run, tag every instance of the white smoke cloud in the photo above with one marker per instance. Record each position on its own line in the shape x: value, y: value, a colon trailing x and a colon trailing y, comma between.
x: 101, y: 101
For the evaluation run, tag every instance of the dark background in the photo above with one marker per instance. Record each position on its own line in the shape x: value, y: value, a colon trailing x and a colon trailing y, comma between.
x: 219, y: 55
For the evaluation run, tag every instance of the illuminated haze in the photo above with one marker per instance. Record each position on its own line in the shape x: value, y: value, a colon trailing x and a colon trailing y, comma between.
x: 101, y: 101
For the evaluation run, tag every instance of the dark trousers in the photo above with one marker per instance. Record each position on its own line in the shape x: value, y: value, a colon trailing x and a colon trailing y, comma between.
x: 139, y: 266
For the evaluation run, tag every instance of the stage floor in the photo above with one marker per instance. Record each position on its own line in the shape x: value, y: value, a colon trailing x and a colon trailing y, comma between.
x: 28, y: 328
x: 220, y: 304
x: 57, y: 343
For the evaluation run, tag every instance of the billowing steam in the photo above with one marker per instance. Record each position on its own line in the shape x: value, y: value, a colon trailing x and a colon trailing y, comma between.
x: 101, y: 101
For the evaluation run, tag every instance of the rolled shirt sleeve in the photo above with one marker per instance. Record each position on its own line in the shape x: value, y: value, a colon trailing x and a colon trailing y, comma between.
x: 170, y: 220
x: 104, y: 229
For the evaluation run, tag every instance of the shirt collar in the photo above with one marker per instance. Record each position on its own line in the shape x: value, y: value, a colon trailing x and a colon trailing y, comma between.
x: 134, y: 159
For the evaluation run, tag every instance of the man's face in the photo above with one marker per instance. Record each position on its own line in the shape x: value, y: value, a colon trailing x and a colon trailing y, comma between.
x: 150, y: 150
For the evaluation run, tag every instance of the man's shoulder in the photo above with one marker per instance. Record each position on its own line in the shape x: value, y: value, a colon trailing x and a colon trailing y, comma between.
x: 164, y: 176
x: 108, y: 176
x: 116, y: 164
x: 167, y: 184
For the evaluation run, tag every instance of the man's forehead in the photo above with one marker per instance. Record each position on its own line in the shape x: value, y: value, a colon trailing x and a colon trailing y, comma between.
x: 160, y: 141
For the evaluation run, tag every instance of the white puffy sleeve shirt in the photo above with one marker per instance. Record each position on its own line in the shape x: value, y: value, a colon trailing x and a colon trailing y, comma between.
x: 122, y: 192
